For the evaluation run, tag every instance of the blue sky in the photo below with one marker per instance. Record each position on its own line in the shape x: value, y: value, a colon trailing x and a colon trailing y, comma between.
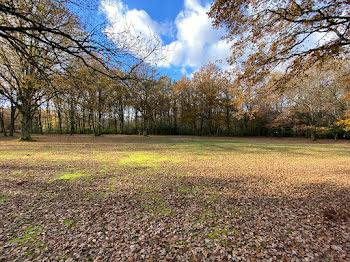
x: 157, y: 9
x: 187, y: 38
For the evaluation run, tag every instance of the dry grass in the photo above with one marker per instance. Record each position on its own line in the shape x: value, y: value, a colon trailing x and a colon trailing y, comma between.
x: 174, y: 198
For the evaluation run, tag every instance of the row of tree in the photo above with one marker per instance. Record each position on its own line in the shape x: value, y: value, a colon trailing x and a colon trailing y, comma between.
x: 58, y: 74
x: 211, y: 103
x: 47, y: 50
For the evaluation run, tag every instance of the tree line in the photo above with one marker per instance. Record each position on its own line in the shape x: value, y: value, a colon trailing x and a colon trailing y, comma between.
x: 43, y: 42
x: 56, y: 75
x: 212, y: 102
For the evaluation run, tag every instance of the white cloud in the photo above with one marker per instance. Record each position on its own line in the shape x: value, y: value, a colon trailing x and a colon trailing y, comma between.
x: 126, y: 28
x: 196, y: 41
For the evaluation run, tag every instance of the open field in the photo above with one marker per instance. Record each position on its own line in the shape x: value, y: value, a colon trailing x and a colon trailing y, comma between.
x: 133, y: 198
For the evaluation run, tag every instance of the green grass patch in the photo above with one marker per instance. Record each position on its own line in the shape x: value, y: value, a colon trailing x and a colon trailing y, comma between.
x: 17, y: 172
x: 3, y: 198
x: 185, y: 190
x: 214, y: 197
x: 29, y: 235
x: 146, y: 159
x: 72, y: 176
x: 155, y: 205
x: 29, y: 239
x: 70, y: 223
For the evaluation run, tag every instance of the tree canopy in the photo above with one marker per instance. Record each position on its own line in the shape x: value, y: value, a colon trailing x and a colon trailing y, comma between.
x: 288, y: 35
x: 53, y: 25
x: 41, y: 40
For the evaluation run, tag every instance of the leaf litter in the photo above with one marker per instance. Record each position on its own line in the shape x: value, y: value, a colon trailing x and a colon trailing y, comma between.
x: 225, y: 200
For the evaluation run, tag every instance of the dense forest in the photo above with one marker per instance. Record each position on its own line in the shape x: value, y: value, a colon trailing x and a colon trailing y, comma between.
x: 58, y: 79
x: 210, y: 103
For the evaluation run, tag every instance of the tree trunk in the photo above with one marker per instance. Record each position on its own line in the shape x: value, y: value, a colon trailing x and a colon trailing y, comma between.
x: 313, y: 135
x: 136, y: 122
x: 48, y: 118
x: 90, y: 120
x: 13, y: 119
x: 40, y: 121
x: 115, y: 124
x: 84, y: 121
x: 59, y: 120
x: 121, y: 119
x: 201, y: 126
x: 145, y: 126
x: 99, y: 115
x: 175, y: 120
x: 72, y: 120
x: 78, y: 125
x: 26, y: 125
x: 227, y: 122
x: 99, y: 125
x: 2, y: 122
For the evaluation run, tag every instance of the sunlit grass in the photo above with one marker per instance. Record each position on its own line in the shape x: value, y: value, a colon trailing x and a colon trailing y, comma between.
x: 147, y: 159
x: 71, y: 176
x: 196, y: 191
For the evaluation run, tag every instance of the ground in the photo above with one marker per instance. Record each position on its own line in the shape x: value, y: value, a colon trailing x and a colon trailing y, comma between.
x: 117, y: 198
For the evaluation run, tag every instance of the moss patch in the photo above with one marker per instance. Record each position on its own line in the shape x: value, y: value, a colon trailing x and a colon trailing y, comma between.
x: 71, y: 176
x: 3, y: 198
x: 147, y: 159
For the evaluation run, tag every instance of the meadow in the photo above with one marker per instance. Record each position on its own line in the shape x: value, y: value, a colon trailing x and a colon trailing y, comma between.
x: 127, y: 198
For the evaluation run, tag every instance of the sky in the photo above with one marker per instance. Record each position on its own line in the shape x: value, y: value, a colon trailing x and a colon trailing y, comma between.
x: 183, y: 27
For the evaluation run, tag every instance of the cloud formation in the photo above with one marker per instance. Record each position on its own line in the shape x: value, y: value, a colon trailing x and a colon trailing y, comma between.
x: 194, y: 41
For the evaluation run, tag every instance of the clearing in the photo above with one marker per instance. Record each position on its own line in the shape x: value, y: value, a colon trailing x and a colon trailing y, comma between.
x: 175, y: 198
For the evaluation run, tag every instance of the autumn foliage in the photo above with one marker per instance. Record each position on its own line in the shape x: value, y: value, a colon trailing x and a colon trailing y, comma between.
x: 286, y: 34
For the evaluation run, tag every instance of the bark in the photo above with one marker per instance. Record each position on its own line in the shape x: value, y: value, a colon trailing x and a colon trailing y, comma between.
x: 2, y: 122
x: 227, y: 122
x: 72, y: 119
x: 115, y: 125
x: 136, y: 122
x: 48, y: 117
x: 201, y: 126
x: 175, y: 119
x: 84, y: 121
x: 59, y: 120
x: 121, y: 119
x: 13, y: 119
x: 40, y: 121
x: 99, y: 125
x: 99, y: 115
x: 90, y: 119
x: 145, y: 125
x: 313, y: 135
x: 26, y: 125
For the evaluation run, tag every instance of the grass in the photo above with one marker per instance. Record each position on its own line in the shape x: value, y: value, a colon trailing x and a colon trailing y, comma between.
x: 3, y: 198
x: 29, y: 239
x: 71, y: 176
x: 28, y: 235
x: 147, y: 159
x: 236, y: 195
